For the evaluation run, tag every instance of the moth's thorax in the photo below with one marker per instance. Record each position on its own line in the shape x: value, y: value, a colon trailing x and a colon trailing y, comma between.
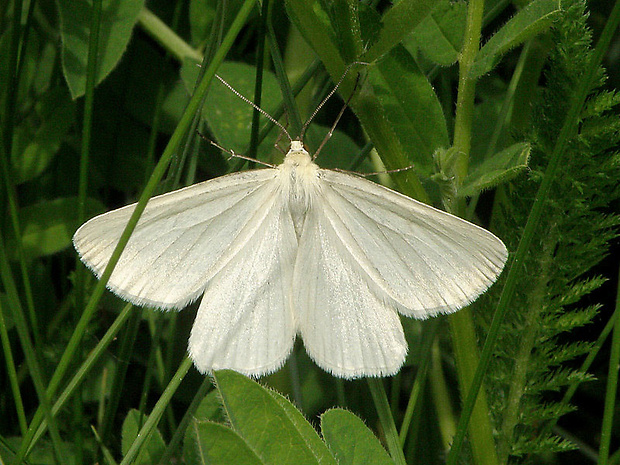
x: 299, y: 175
x: 299, y: 181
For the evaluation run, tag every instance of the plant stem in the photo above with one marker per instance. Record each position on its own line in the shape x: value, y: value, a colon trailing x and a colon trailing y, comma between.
x: 467, y: 88
x: 387, y: 421
x: 156, y: 413
x: 462, y: 325
x: 612, y: 386
x: 167, y: 38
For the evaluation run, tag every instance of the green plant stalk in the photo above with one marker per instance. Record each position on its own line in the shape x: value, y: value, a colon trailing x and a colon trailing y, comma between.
x: 158, y: 172
x: 29, y: 352
x: 156, y: 413
x: 612, y: 386
x: 107, y: 455
x: 441, y: 398
x: 568, y: 129
x: 365, y: 104
x: 127, y: 340
x: 258, y: 82
x: 156, y: 327
x: 39, y: 423
x: 466, y: 353
x: 467, y: 88
x: 285, y: 86
x: 89, y: 96
x: 462, y: 326
x: 167, y: 38
x: 12, y: 374
x: 535, y: 303
x: 16, y: 50
x: 387, y: 421
x: 420, y: 379
x: 179, y: 432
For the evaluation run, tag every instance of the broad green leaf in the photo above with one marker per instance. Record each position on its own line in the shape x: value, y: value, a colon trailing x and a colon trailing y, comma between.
x: 48, y: 226
x: 38, y: 139
x: 201, y: 15
x: 411, y: 106
x: 497, y: 169
x: 351, y: 441
x: 210, y: 409
x: 154, y: 446
x: 338, y: 152
x: 531, y: 20
x: 440, y: 35
x: 398, y: 22
x: 118, y: 18
x: 262, y: 422
x: 305, y: 429
x: 215, y: 444
x: 228, y: 116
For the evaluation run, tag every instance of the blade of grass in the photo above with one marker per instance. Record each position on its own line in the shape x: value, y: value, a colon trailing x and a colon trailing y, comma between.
x: 29, y: 352
x: 89, y: 97
x: 387, y: 421
x: 612, y: 386
x: 14, y: 65
x: 12, y: 374
x: 156, y: 413
x: 38, y: 423
x: 179, y: 433
x: 420, y: 379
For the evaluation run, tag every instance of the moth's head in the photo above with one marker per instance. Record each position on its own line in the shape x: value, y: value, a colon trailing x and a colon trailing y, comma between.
x: 297, y: 157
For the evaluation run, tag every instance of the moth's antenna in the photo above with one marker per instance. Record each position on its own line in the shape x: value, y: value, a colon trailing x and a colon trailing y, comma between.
x: 333, y: 128
x: 346, y: 71
x: 256, y: 107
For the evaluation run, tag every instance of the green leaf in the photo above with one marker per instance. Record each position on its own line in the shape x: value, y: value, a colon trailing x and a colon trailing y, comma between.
x: 398, y: 22
x: 215, y: 444
x: 154, y: 446
x: 313, y: 441
x: 531, y: 20
x: 38, y: 139
x: 339, y: 151
x: 228, y: 116
x: 440, y: 35
x: 313, y: 23
x: 271, y: 430
x: 48, y: 226
x: 411, y: 106
x: 351, y: 441
x: 501, y: 167
x: 118, y: 18
x: 344, y: 17
x: 210, y: 409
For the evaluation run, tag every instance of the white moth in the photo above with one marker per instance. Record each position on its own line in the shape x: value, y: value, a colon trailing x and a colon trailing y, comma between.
x: 290, y: 250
